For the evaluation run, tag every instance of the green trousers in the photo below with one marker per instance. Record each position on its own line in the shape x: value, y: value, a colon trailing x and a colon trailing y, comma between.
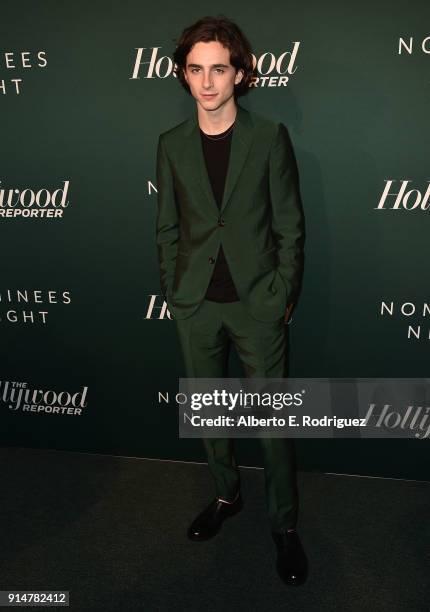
x: 206, y: 338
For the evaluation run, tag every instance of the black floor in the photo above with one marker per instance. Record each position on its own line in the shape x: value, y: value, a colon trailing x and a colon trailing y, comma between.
x: 111, y: 530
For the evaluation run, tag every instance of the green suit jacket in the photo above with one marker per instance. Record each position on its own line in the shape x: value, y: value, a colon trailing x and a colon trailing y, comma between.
x: 260, y: 223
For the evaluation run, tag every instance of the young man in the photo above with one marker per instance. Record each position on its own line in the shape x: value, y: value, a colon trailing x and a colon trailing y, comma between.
x: 230, y: 246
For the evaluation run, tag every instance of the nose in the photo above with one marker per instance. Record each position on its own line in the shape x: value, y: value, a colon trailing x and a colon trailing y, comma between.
x: 207, y: 80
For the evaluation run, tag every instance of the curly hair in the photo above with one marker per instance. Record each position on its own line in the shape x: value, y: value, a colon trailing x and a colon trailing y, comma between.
x: 226, y: 32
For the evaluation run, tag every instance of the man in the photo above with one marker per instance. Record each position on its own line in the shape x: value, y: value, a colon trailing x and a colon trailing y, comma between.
x: 230, y: 247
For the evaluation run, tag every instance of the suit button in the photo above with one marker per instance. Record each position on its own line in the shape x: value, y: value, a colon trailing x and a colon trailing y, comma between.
x: 221, y: 222
x: 211, y: 260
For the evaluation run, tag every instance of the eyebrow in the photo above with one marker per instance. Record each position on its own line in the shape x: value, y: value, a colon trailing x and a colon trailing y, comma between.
x: 213, y: 66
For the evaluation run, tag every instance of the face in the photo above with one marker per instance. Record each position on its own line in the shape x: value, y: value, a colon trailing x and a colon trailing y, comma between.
x: 209, y: 74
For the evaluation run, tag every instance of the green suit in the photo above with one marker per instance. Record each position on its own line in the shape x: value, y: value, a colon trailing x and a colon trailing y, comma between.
x: 260, y: 223
x: 260, y: 226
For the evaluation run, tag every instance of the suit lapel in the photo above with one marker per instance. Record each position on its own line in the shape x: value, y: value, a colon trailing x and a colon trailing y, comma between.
x: 240, y: 146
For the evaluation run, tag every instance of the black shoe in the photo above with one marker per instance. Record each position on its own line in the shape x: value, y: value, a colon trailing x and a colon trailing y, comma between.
x: 291, y: 564
x: 208, y: 523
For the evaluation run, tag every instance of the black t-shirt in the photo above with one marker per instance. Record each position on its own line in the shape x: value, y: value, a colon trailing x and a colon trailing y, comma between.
x: 216, y: 151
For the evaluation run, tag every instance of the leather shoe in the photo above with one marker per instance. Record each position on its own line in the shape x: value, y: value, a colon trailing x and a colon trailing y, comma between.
x: 208, y: 523
x: 291, y: 564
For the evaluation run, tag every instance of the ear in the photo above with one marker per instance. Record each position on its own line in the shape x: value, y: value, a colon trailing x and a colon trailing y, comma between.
x: 239, y: 76
x: 185, y: 74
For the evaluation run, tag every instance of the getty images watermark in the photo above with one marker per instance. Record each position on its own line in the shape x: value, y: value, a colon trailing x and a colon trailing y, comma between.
x: 303, y: 407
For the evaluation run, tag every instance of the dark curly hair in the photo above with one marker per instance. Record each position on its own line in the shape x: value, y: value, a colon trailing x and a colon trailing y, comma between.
x: 229, y: 35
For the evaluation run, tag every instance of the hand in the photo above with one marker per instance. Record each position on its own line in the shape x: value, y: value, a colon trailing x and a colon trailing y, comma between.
x: 287, y: 313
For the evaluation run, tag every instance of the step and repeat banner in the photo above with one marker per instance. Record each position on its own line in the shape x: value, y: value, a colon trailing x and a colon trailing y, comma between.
x: 87, y: 343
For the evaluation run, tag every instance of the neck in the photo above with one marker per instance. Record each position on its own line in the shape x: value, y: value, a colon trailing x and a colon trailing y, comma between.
x: 217, y: 121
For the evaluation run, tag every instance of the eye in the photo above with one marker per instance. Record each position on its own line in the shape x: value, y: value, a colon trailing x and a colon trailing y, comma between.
x: 219, y: 70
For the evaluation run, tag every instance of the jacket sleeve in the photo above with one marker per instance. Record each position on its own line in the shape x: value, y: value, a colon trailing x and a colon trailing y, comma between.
x: 167, y: 220
x: 287, y: 211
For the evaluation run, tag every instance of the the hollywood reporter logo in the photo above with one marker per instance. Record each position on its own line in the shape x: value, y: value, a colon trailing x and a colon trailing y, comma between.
x: 397, y: 196
x: 19, y: 397
x: 272, y: 70
x: 33, y: 203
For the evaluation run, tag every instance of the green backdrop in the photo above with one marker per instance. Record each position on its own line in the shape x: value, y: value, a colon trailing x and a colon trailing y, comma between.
x: 76, y: 289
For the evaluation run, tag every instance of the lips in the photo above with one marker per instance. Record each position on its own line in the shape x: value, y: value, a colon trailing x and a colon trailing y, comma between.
x: 208, y: 95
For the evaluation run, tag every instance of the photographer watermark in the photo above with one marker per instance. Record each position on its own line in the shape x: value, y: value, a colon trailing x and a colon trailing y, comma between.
x: 304, y: 407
